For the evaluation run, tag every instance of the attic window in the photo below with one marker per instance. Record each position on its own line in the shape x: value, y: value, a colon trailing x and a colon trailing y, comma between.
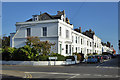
x: 35, y: 18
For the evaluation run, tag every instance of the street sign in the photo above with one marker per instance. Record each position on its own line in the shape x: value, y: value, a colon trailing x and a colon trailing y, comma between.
x: 52, y: 58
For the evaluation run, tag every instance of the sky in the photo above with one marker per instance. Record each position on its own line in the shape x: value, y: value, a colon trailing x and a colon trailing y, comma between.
x: 101, y: 17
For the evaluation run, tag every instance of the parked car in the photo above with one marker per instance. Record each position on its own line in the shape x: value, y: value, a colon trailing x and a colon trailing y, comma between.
x: 99, y: 58
x: 92, y: 59
x: 105, y: 57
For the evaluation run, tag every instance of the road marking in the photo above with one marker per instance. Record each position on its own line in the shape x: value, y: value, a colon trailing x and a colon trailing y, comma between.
x: 117, y: 76
x: 28, y: 75
x: 108, y: 75
x: 73, y: 76
x: 108, y: 67
x: 86, y: 74
x: 52, y: 73
x: 97, y: 66
x: 97, y: 75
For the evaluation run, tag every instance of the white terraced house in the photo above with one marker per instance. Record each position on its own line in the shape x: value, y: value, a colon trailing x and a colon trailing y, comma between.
x: 56, y: 28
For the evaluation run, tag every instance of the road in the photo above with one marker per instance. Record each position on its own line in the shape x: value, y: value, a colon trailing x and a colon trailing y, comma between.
x: 108, y: 69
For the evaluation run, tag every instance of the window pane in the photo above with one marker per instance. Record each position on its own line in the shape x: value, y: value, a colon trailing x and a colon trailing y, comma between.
x: 69, y: 49
x: 66, y: 49
x: 44, y: 31
x: 60, y: 31
x: 67, y: 34
x: 60, y: 48
x: 28, y: 31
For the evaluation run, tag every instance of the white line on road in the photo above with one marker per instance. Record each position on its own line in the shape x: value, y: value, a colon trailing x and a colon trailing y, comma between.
x: 108, y: 75
x: 73, y: 77
x: 117, y: 76
x: 53, y: 73
x: 108, y: 67
x: 86, y: 74
x: 97, y: 75
x: 97, y: 66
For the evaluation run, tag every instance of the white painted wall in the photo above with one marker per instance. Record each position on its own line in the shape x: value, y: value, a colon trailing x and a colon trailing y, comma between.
x: 36, y: 30
x: 62, y: 39
x: 37, y: 63
x: 53, y: 35
x: 106, y: 49
x: 82, y: 47
x: 98, y: 48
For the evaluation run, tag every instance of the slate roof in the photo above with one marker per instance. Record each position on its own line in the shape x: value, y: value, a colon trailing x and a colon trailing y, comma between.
x: 89, y: 33
x: 46, y: 16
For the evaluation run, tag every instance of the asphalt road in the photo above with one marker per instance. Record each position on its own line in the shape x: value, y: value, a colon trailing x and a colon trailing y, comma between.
x: 109, y: 69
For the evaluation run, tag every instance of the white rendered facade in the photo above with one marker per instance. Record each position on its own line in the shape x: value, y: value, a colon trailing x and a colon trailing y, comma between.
x: 58, y: 31
x: 106, y: 49
x: 54, y: 35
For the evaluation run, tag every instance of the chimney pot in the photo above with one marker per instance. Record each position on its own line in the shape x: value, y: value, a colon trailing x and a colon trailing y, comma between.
x: 80, y: 29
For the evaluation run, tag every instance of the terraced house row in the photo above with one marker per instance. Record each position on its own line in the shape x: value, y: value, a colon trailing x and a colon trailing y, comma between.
x: 57, y: 28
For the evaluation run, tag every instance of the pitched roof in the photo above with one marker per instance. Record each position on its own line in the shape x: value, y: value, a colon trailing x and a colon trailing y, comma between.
x: 46, y: 16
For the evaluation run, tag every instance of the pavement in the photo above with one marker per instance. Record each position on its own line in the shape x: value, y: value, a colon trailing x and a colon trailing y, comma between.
x: 107, y: 70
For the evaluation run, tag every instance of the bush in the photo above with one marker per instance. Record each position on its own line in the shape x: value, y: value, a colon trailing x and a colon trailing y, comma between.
x: 95, y: 53
x: 7, y: 53
x: 80, y: 56
x: 43, y: 58
x: 28, y: 53
x: 90, y: 54
x: 20, y: 55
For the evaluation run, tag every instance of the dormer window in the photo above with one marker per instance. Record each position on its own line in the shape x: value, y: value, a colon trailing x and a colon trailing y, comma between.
x: 35, y: 18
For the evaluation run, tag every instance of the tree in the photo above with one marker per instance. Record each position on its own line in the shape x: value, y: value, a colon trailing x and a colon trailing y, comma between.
x: 5, y: 42
x: 41, y: 46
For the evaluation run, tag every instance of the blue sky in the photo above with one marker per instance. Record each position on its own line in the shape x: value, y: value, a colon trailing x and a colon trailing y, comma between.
x: 102, y: 17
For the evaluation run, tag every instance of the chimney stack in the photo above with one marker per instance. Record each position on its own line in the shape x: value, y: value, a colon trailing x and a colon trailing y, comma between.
x: 80, y: 29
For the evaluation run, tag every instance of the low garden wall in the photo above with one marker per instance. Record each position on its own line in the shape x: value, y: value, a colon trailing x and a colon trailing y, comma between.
x: 39, y: 63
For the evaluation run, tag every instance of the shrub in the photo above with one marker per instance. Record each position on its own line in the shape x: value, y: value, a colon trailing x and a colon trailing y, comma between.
x: 95, y: 53
x: 80, y: 56
x: 61, y: 58
x: 7, y: 53
x: 43, y: 58
x: 20, y: 55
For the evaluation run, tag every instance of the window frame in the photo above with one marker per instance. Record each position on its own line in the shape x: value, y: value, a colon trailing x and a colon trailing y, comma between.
x: 67, y: 33
x: 66, y: 49
x: 28, y: 32
x: 81, y: 41
x: 76, y: 39
x: 44, y: 31
x: 60, y: 34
